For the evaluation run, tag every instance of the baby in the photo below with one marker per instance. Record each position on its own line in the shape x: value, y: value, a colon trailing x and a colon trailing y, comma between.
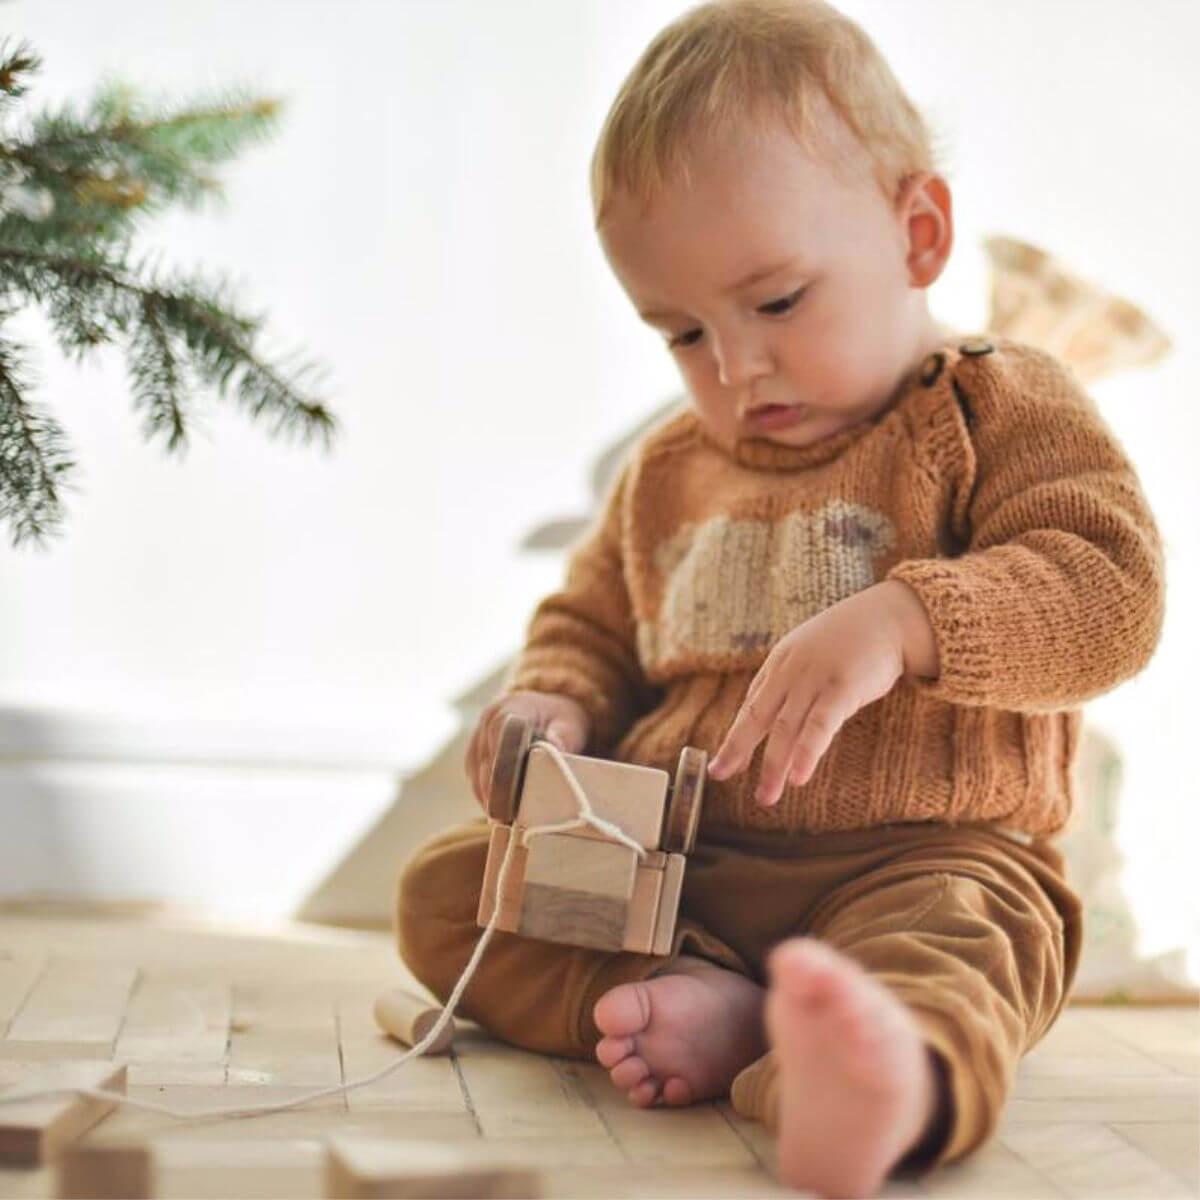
x: 873, y: 567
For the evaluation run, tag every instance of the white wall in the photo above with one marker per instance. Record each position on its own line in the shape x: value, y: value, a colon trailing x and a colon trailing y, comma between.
x: 421, y: 225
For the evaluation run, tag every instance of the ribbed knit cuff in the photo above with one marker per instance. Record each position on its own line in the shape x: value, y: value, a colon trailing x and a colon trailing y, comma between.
x: 958, y: 615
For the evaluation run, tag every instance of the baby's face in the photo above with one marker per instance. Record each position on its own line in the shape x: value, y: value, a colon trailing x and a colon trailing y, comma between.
x: 774, y: 282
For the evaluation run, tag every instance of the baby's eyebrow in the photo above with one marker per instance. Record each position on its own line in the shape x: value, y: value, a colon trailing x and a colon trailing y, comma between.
x: 755, y: 276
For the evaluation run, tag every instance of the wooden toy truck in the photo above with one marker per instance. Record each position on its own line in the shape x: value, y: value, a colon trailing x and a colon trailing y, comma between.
x: 583, y: 887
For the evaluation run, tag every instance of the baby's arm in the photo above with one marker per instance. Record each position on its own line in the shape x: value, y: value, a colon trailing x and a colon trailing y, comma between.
x: 581, y: 639
x: 1059, y: 593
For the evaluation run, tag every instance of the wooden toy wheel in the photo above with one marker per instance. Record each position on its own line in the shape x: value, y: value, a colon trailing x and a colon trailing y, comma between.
x: 683, y: 815
x: 508, y: 768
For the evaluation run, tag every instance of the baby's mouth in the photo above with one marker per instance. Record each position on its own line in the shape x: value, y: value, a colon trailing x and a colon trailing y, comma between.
x: 775, y: 416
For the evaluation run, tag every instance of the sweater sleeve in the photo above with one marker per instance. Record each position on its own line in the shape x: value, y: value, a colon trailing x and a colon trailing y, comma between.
x: 1058, y: 594
x: 581, y: 640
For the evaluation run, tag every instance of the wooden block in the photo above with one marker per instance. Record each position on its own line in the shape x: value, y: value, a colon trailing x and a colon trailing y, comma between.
x: 632, y: 797
x: 577, y: 891
x: 409, y: 1018
x: 106, y: 1171
x: 562, y: 860
x: 369, y: 1168
x: 33, y: 1132
x: 510, y: 905
x: 643, y: 907
x: 668, y: 907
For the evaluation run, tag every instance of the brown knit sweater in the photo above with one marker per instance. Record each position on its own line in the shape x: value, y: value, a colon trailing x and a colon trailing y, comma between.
x: 990, y: 484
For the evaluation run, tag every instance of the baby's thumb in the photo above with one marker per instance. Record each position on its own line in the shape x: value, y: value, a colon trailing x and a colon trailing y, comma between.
x: 564, y: 735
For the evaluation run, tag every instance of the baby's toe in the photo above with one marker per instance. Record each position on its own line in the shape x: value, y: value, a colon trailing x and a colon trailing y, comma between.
x: 677, y: 1091
x: 646, y: 1092
x: 629, y: 1072
x: 611, y: 1050
x: 623, y: 1011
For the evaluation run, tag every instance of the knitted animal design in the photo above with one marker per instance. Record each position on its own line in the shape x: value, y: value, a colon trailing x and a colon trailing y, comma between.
x: 733, y: 586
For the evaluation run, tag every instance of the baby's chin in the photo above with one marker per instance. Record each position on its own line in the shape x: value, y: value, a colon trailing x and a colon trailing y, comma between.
x: 814, y: 428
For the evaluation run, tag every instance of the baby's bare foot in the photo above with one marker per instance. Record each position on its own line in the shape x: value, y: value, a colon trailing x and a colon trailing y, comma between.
x: 857, y: 1086
x: 680, y: 1036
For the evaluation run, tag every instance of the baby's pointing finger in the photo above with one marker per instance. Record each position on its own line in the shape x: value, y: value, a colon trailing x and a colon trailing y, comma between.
x: 744, y: 734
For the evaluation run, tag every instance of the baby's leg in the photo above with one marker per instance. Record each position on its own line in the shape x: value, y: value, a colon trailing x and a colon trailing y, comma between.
x: 535, y: 994
x: 895, y: 1042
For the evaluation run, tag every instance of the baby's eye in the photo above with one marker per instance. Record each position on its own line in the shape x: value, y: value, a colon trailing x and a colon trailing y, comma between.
x: 775, y: 307
x: 688, y: 338
x: 772, y: 308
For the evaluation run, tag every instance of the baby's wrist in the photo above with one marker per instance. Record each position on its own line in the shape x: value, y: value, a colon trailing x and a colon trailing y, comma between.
x: 918, y: 646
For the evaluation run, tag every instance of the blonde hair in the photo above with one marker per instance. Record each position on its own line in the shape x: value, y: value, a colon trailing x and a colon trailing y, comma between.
x: 727, y: 62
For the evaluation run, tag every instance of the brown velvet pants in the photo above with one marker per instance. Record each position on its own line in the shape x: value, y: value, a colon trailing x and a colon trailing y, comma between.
x: 975, y: 931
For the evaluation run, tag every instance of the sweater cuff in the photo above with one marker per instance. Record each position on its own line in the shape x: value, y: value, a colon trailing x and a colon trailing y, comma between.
x: 958, y: 614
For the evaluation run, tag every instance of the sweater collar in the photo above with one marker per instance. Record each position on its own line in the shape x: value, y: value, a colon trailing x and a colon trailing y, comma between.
x: 762, y: 454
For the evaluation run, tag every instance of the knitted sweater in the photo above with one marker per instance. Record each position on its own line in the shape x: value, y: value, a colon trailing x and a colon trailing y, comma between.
x: 989, y: 483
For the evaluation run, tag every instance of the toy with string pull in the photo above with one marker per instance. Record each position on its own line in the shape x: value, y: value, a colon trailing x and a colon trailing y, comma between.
x: 578, y: 886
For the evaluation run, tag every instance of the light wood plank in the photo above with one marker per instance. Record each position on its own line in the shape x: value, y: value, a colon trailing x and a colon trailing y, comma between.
x: 694, y: 1136
x: 1170, y: 1036
x: 1104, y: 1098
x: 287, y: 1058
x: 310, y: 1121
x: 1174, y: 1145
x: 18, y: 974
x: 1091, y: 1162
x: 993, y: 1172
x: 34, y: 1131
x: 424, y: 1083
x: 285, y: 1037
x: 176, y: 1017
x: 248, y: 1169
x: 517, y: 1094
x: 74, y: 1011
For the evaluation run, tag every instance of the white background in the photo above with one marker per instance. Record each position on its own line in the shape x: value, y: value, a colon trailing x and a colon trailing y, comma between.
x: 421, y: 225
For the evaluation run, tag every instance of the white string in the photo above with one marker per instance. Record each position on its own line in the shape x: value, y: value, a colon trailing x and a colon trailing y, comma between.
x: 585, y: 816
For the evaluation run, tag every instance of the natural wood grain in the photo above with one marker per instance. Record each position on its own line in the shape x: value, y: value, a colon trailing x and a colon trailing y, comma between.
x: 105, y: 1172
x: 18, y: 974
x: 357, y: 1167
x: 1105, y: 1106
x: 74, y: 1010
x: 577, y: 891
x: 428, y: 1084
x: 631, y: 796
x: 33, y: 1132
x: 1090, y: 1160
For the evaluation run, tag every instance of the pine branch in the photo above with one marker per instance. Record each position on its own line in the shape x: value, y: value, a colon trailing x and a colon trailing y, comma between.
x: 122, y: 158
x: 72, y: 187
x: 91, y: 301
x: 14, y: 64
x: 34, y: 463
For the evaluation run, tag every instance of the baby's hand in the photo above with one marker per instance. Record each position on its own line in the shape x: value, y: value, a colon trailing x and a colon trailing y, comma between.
x: 818, y: 675
x: 559, y: 719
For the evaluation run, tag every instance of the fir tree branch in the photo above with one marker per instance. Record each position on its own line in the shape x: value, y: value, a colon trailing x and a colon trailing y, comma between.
x: 14, y: 65
x: 159, y: 386
x: 107, y: 302
x: 122, y: 157
x: 34, y: 463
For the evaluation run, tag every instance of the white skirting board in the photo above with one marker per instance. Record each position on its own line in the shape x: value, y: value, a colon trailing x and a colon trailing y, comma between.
x: 231, y: 818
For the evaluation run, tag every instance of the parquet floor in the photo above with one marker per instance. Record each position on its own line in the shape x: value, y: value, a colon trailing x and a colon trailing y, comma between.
x: 1107, y: 1105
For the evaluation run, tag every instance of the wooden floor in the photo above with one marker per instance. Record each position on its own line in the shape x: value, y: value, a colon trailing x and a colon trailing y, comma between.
x: 1107, y: 1105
